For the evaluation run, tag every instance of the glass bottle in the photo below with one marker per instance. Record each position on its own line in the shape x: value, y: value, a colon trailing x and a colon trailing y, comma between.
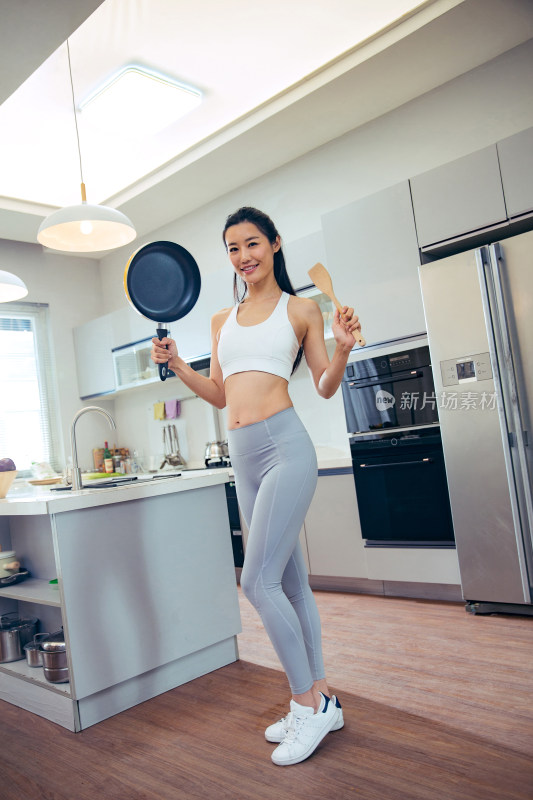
x: 108, y: 459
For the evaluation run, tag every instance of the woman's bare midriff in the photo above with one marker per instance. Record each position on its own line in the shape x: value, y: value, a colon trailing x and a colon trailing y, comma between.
x: 254, y: 396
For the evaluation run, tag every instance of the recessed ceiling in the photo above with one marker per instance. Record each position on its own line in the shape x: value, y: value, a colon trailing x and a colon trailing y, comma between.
x: 238, y: 53
x: 277, y: 78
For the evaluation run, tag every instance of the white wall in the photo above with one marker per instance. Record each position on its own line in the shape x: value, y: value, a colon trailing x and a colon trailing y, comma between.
x: 73, y: 290
x: 137, y: 428
x: 470, y: 112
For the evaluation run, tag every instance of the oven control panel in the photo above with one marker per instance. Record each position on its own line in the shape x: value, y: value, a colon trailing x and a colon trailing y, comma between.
x: 466, y: 369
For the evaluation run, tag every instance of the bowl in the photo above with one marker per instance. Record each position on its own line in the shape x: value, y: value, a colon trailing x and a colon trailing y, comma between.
x: 6, y: 479
x: 8, y: 557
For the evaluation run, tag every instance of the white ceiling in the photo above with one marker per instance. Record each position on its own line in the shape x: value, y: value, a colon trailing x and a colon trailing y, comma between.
x: 278, y: 80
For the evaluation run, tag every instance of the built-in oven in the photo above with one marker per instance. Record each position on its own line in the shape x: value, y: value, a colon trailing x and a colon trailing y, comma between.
x: 390, y: 391
x: 398, y: 465
x: 401, y: 488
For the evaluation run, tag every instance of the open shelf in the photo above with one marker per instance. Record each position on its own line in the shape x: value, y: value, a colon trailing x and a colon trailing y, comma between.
x: 20, y: 669
x: 32, y: 590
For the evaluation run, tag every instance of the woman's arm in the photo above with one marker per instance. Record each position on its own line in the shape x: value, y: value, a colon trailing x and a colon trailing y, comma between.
x: 327, y: 375
x: 210, y: 389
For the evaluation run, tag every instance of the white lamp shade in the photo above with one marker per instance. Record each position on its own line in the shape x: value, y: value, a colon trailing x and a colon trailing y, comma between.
x: 11, y: 287
x: 86, y: 228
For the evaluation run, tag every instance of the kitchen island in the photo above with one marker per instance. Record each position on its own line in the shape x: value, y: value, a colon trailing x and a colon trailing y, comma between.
x: 146, y: 591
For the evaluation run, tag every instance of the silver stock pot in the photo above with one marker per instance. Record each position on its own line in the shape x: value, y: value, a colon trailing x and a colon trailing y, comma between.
x: 54, y: 657
x: 15, y: 632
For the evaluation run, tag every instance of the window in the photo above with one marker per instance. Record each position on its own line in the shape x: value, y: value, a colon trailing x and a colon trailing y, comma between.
x: 28, y: 397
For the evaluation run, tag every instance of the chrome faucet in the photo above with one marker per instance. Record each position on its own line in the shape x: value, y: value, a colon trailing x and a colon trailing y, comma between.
x: 76, y: 472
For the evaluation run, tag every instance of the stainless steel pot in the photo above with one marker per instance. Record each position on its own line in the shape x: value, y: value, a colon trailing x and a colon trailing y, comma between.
x: 15, y: 632
x: 56, y: 674
x: 54, y: 656
x: 33, y: 651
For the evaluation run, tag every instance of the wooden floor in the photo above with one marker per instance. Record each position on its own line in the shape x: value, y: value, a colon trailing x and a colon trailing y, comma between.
x: 438, y: 705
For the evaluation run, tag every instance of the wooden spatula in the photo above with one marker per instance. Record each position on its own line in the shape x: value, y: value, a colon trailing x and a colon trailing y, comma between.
x: 322, y: 280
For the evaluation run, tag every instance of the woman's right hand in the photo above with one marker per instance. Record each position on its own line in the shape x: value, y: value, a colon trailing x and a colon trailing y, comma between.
x: 164, y: 351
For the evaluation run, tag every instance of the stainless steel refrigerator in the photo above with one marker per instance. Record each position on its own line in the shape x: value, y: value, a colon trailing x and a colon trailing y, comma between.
x: 479, y: 314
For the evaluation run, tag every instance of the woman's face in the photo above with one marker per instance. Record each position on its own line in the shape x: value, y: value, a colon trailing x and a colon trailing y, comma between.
x: 250, y: 252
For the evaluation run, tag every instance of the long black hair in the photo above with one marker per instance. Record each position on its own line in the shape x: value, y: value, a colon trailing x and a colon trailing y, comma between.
x: 263, y: 222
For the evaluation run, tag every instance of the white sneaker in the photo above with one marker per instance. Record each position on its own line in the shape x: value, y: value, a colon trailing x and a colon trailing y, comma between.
x: 278, y: 730
x: 306, y: 731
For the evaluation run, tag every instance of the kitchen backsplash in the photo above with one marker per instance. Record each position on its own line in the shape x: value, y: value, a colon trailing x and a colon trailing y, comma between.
x: 198, y: 422
x: 137, y: 428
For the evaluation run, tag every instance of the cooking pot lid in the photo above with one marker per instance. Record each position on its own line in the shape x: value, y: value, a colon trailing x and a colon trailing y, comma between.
x: 54, y: 642
x: 8, y: 621
x: 11, y: 621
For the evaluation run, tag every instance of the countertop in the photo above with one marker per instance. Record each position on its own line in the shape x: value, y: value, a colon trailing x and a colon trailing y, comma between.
x: 25, y: 499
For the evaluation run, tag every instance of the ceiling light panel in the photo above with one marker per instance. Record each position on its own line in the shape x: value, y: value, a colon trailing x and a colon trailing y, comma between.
x: 137, y: 102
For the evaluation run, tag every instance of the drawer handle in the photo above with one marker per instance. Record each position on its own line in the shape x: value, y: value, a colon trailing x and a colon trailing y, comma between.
x: 397, y: 464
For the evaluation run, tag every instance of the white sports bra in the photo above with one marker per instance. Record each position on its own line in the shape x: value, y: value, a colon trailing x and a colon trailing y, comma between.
x: 270, y: 346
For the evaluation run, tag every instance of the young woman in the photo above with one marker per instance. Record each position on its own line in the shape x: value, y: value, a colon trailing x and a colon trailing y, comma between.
x: 256, y: 345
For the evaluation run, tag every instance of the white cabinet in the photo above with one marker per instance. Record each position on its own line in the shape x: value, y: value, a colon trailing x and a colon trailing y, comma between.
x: 95, y: 340
x: 129, y: 636
x: 134, y: 366
x: 459, y: 197
x: 94, y: 362
x: 129, y: 326
x: 332, y: 529
x: 372, y: 255
x: 516, y: 164
x: 301, y: 255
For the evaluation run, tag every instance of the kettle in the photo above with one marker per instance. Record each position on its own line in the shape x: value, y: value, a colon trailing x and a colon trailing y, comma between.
x: 216, y: 451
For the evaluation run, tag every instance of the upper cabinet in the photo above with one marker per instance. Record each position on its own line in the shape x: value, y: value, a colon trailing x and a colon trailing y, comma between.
x: 456, y: 198
x: 129, y: 326
x: 95, y: 340
x: 301, y: 255
x: 94, y: 362
x: 372, y: 256
x: 516, y: 164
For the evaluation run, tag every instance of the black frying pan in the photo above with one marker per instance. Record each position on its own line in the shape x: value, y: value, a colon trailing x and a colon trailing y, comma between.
x: 162, y: 282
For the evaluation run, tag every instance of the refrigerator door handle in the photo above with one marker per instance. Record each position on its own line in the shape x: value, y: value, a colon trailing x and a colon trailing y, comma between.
x: 497, y: 261
x: 513, y: 432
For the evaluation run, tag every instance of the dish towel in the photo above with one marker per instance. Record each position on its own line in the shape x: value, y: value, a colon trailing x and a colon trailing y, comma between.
x: 172, y: 409
x: 159, y: 411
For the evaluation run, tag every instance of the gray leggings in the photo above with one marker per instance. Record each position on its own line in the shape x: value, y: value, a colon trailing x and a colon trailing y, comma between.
x: 275, y: 476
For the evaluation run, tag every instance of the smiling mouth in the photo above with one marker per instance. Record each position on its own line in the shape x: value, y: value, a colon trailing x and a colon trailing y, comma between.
x: 249, y: 269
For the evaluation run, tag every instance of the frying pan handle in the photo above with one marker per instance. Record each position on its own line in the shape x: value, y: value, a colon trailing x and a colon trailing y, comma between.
x: 163, y: 368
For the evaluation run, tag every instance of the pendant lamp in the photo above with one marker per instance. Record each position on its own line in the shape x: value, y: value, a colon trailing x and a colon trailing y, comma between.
x: 85, y: 228
x: 11, y: 287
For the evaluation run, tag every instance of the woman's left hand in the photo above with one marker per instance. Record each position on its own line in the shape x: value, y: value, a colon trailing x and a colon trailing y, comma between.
x: 344, y: 326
